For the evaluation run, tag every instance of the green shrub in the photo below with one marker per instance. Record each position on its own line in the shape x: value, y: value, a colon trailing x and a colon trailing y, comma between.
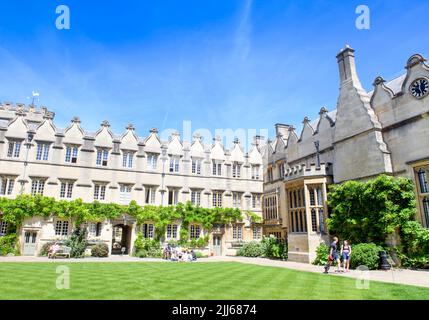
x: 147, y: 248
x: 77, y: 243
x: 100, y: 250
x: 365, y: 254
x: 322, y: 253
x: 8, y: 245
x: 45, y: 249
x: 199, y: 255
x: 273, y: 248
x: 414, y: 261
x: 251, y: 249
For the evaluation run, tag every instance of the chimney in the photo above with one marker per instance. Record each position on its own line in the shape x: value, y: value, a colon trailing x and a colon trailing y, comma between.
x: 347, y: 67
x: 259, y: 141
x: 282, y: 130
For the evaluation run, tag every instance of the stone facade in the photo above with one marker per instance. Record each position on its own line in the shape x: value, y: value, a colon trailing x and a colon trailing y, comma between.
x: 385, y: 130
x: 36, y: 157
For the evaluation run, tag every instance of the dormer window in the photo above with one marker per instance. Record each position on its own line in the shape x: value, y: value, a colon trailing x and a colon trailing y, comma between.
x: 42, y: 151
x: 174, y: 164
x: 102, y: 157
x: 71, y: 154
x: 127, y: 159
x: 196, y: 166
x: 217, y: 168
x: 255, y: 172
x: 236, y: 170
x: 14, y: 149
x: 152, y: 160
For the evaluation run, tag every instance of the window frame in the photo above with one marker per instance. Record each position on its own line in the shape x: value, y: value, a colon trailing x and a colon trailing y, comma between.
x: 42, y: 151
x: 62, y: 228
x: 14, y: 148
x: 66, y: 189
x: 37, y: 186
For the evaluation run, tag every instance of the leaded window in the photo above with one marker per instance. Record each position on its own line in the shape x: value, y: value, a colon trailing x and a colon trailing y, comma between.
x: 237, y: 232
x: 422, y: 174
x: 196, y: 197
x: 236, y: 170
x: 217, y: 199
x: 42, y: 152
x: 37, y: 186
x: 66, y: 190
x: 71, y: 154
x: 172, y: 231
x: 99, y: 192
x: 148, y: 230
x: 6, y: 185
x: 127, y: 159
x: 196, y: 166
x: 152, y: 160
x: 61, y: 228
x: 195, y: 231
x: 102, y: 157
x: 3, y: 228
x: 14, y: 149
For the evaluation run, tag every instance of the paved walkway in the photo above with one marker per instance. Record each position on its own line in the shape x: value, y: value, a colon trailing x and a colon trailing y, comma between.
x: 397, y: 276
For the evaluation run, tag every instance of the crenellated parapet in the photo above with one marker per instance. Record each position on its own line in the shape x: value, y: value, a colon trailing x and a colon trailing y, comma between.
x: 303, y: 171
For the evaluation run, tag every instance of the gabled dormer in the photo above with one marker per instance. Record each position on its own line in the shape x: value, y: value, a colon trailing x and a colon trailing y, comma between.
x: 152, y: 142
x: 74, y: 134
x: 104, y: 136
x: 129, y: 139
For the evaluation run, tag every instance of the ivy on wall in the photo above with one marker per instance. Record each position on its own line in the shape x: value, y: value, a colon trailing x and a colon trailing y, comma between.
x: 14, y: 211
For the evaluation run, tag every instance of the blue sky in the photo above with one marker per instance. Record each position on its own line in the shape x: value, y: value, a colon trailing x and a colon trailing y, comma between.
x: 220, y: 63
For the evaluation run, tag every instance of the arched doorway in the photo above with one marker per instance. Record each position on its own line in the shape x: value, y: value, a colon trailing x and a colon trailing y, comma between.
x: 121, y: 239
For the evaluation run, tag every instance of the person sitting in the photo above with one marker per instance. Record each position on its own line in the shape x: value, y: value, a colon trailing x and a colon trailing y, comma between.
x: 185, y: 256
x: 174, y: 256
x: 53, y: 250
x: 193, y: 255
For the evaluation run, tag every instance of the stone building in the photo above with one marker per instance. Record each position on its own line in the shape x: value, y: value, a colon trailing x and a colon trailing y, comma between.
x: 36, y: 157
x: 385, y: 130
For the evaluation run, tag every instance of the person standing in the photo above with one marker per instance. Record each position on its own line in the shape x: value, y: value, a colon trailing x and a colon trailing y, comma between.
x: 333, y: 256
x: 346, y: 251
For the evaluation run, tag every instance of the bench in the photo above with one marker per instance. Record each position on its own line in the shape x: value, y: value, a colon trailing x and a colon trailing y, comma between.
x: 64, y: 252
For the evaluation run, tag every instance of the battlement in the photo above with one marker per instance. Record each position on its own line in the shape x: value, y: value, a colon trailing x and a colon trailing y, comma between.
x: 10, y: 111
x: 302, y: 171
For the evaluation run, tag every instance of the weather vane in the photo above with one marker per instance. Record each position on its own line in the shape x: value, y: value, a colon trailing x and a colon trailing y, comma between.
x: 34, y: 95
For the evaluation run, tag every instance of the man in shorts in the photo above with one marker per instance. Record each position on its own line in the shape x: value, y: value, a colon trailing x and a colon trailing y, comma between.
x: 333, y: 256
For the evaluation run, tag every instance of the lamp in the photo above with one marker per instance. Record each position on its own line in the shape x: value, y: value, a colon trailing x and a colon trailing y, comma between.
x: 30, y: 136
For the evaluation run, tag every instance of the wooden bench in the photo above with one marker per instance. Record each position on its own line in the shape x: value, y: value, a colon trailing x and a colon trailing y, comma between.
x: 64, y: 252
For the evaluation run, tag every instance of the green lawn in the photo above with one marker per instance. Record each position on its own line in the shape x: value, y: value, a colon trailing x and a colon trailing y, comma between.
x: 209, y: 281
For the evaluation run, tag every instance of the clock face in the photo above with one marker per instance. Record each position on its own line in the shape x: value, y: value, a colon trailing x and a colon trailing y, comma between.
x: 420, y: 88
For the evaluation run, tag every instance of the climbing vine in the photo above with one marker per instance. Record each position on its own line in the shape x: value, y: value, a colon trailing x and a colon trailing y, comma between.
x: 14, y: 211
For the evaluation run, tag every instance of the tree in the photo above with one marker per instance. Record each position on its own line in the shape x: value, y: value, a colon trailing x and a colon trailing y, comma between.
x: 371, y: 211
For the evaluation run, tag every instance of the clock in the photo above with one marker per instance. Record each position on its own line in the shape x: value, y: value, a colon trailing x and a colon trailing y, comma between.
x: 420, y: 88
